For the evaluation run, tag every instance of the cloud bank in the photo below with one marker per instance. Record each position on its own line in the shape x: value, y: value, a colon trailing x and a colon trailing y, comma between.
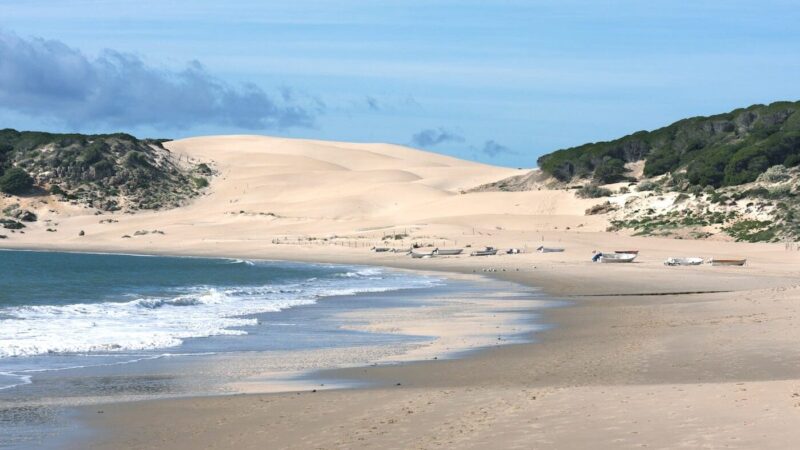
x: 493, y: 148
x: 47, y: 78
x: 431, y: 137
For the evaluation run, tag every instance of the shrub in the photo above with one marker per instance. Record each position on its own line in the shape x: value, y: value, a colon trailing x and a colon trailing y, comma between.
x: 752, y: 231
x: 774, y: 174
x: 681, y: 198
x: 204, y: 169
x: 135, y: 159
x: 792, y: 160
x: 15, y: 181
x: 593, y: 191
x: 695, y: 190
x: 200, y: 182
x: 646, y: 185
x: 610, y: 170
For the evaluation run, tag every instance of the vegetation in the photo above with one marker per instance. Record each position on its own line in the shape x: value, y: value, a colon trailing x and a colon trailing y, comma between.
x: 752, y: 230
x: 593, y: 191
x: 105, y: 171
x: 15, y: 181
x: 722, y: 150
x: 200, y: 182
x: 653, y: 224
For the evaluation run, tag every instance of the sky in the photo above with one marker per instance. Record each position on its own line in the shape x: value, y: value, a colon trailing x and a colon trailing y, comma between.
x: 501, y: 82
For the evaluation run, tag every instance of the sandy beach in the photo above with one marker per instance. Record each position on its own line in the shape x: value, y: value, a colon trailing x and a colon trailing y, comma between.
x: 642, y: 355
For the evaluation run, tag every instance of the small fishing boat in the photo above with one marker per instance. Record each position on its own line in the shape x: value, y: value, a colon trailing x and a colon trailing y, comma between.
x: 626, y: 252
x: 616, y: 257
x: 488, y: 251
x: 543, y: 249
x: 690, y: 261
x: 418, y: 254
x: 728, y: 262
x: 449, y: 251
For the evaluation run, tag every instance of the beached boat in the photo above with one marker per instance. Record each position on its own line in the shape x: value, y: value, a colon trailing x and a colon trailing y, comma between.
x: 543, y: 249
x: 690, y: 261
x: 728, y: 262
x: 617, y: 257
x: 381, y: 249
x: 449, y: 251
x: 488, y: 251
x: 418, y: 254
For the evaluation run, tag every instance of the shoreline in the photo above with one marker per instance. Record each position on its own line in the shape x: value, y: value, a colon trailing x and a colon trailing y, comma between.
x: 459, y: 345
x: 559, y: 364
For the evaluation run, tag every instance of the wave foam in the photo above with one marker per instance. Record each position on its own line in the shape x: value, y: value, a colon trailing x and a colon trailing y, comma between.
x: 161, y: 322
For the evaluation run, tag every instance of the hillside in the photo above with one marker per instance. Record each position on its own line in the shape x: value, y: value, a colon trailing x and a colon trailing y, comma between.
x: 721, y: 150
x: 728, y: 176
x: 107, y: 172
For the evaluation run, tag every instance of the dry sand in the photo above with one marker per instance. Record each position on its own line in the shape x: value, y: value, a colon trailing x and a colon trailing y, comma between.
x: 712, y: 362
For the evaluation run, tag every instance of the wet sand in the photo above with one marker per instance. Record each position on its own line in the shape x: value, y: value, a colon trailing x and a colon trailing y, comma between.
x: 616, y: 371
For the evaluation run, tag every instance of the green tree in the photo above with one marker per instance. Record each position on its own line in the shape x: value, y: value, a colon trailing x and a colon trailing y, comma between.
x: 15, y: 181
x: 610, y: 170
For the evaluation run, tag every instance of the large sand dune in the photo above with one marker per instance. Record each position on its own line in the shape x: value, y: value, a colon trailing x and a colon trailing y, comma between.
x: 307, y: 191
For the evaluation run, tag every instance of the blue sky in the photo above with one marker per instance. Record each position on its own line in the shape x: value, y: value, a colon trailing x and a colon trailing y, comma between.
x: 501, y: 82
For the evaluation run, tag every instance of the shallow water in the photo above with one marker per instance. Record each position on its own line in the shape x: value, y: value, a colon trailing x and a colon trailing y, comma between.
x: 91, y: 328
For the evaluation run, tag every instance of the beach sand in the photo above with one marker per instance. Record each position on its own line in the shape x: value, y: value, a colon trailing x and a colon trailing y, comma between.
x: 642, y: 356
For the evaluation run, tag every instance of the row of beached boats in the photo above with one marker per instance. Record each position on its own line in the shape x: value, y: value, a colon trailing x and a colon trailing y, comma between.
x: 617, y: 256
x: 696, y: 261
x: 487, y: 251
x: 416, y: 253
x: 626, y: 256
x: 430, y: 253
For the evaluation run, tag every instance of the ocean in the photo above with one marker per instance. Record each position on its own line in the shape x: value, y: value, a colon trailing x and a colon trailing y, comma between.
x: 79, y: 328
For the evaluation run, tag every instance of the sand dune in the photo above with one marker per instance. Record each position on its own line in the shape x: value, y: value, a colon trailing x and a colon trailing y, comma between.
x: 271, y: 194
x: 314, y: 189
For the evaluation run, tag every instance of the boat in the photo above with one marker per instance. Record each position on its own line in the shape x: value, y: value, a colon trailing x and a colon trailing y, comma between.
x: 381, y: 249
x: 543, y: 249
x: 449, y: 251
x: 728, y: 262
x: 514, y: 251
x: 428, y: 254
x: 488, y: 251
x: 626, y: 252
x: 616, y: 257
x: 689, y: 261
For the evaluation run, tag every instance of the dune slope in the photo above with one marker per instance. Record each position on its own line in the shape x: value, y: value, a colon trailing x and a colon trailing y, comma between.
x: 311, y: 191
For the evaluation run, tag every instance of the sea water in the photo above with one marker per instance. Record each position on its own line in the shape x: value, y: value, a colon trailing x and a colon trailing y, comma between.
x: 60, y: 310
x: 78, y: 326
x: 79, y: 329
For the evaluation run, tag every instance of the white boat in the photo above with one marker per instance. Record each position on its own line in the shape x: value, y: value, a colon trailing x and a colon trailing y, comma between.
x: 488, y: 251
x: 690, y: 261
x: 543, y: 249
x: 728, y: 262
x: 617, y: 257
x: 428, y: 254
x: 449, y: 251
